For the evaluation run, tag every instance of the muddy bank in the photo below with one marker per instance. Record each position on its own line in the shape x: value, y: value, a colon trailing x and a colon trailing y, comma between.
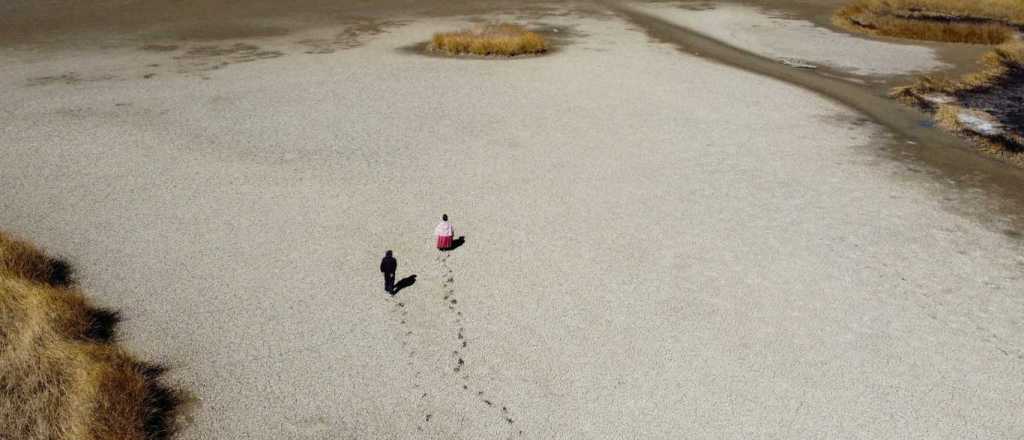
x: 916, y: 137
x: 1004, y: 101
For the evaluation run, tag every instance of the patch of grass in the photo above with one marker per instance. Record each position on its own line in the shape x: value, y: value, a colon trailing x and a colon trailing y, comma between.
x: 27, y: 261
x: 996, y: 65
x: 1008, y: 11
x: 958, y: 21
x: 489, y: 40
x: 61, y: 376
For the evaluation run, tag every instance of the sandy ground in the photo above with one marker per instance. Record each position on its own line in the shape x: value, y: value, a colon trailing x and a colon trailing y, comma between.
x: 656, y: 246
x: 775, y: 34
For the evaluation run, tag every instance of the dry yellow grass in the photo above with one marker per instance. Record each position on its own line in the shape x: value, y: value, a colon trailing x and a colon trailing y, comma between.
x: 996, y: 65
x: 959, y: 21
x: 61, y: 378
x: 28, y: 262
x: 487, y: 40
x: 1008, y: 11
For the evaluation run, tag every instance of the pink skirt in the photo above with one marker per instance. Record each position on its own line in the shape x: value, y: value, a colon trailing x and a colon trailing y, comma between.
x: 444, y: 243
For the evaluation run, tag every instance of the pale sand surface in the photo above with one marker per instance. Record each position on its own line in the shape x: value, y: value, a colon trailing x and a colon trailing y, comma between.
x: 656, y: 246
x: 772, y: 33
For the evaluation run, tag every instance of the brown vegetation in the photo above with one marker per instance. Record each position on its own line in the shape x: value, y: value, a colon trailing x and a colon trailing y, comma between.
x: 958, y: 21
x: 493, y: 39
x: 24, y: 260
x: 61, y: 376
x: 996, y: 65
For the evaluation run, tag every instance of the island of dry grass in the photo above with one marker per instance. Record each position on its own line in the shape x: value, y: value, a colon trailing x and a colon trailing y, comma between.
x: 61, y: 375
x: 958, y: 21
x: 490, y: 40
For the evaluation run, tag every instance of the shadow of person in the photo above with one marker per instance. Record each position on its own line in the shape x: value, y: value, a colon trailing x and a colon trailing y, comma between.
x: 458, y: 242
x: 403, y: 283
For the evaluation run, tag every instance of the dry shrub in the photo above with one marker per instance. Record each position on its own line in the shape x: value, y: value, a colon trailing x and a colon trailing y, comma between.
x: 493, y: 39
x: 60, y: 379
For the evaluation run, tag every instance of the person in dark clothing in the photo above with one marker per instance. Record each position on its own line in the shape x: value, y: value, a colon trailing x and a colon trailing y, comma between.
x: 388, y: 266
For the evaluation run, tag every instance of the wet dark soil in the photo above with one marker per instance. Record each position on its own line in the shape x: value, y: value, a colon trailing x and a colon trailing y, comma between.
x: 1003, y: 100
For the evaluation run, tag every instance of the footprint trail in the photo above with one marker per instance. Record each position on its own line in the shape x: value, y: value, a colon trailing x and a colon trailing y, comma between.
x: 462, y: 344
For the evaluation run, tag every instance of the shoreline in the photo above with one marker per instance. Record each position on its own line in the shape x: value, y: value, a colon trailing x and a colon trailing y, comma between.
x: 981, y: 106
x: 916, y: 137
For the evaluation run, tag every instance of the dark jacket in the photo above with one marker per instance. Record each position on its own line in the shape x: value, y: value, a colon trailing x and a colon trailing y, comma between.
x: 388, y: 265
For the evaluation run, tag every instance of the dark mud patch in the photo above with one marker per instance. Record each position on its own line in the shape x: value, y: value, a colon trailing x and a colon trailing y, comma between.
x: 218, y: 31
x: 68, y: 78
x: 1004, y: 101
x: 106, y: 22
x: 160, y: 47
x: 213, y: 57
x: 352, y: 36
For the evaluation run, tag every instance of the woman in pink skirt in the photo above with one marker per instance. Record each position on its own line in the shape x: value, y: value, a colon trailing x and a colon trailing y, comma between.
x: 444, y: 232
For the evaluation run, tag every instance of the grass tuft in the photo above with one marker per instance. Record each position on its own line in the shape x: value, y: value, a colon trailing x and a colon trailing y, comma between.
x: 61, y: 376
x: 490, y: 40
x: 27, y: 261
